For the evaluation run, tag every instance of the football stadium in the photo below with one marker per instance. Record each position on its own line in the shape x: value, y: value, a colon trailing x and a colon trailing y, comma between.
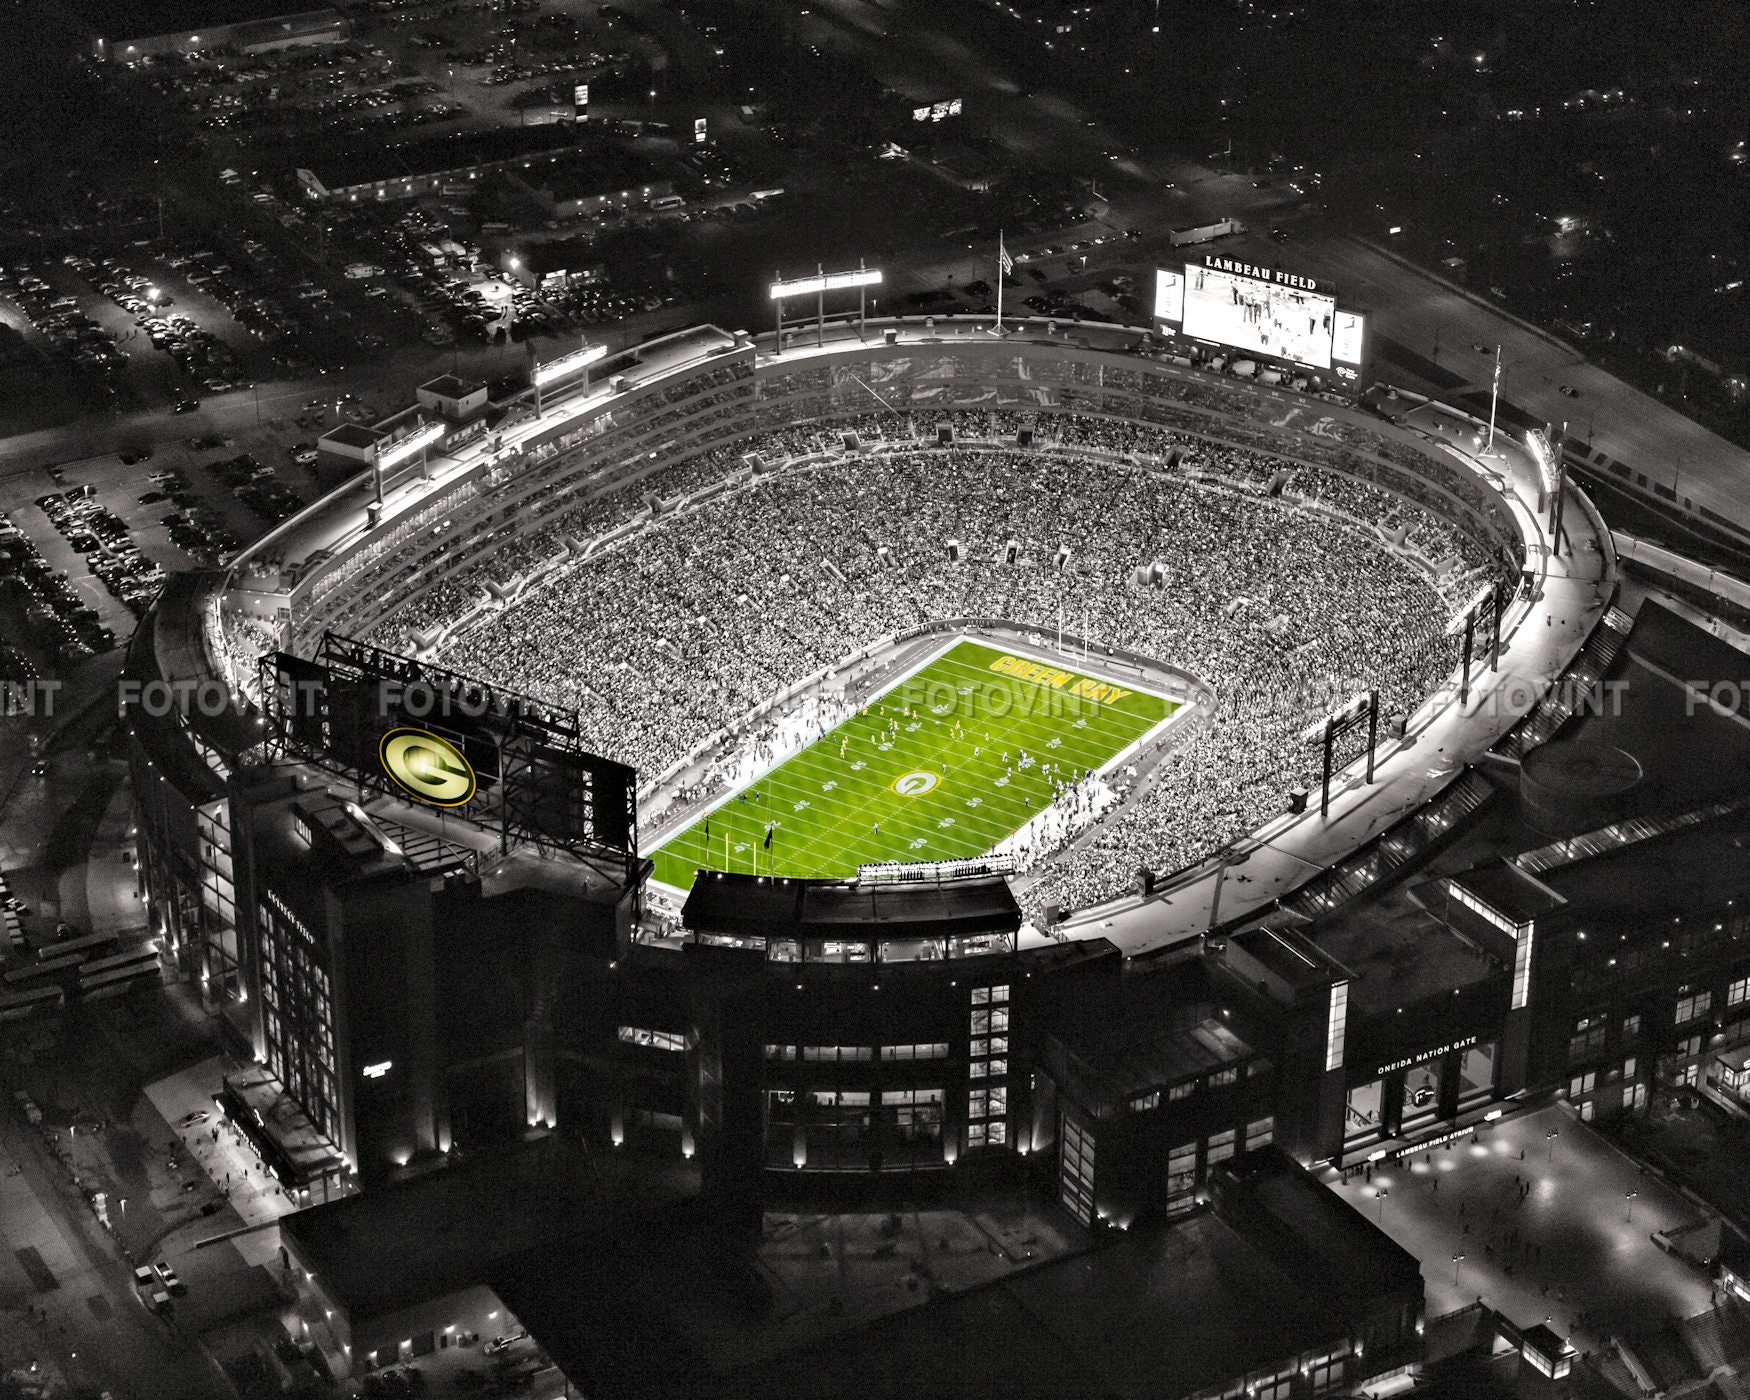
x: 871, y: 767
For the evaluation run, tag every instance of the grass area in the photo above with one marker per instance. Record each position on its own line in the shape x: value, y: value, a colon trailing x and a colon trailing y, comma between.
x: 930, y: 770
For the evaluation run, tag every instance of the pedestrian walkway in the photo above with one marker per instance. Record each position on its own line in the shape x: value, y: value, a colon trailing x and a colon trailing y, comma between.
x: 226, y: 1155
x: 1544, y: 1220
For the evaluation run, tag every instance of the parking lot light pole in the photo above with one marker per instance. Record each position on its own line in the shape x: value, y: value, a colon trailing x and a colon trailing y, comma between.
x: 1457, y: 1259
x: 1550, y: 1137
x: 1629, y: 1196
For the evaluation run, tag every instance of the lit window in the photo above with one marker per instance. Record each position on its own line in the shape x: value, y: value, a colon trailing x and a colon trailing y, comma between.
x: 1694, y: 1005
x: 656, y: 1040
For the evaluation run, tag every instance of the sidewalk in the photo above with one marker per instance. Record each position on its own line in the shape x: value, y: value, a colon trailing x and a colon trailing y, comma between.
x: 252, y: 1191
x: 1544, y: 1227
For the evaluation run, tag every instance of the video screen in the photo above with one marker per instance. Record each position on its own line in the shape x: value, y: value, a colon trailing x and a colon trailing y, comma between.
x: 1348, y: 337
x: 1248, y: 313
x: 1169, y: 295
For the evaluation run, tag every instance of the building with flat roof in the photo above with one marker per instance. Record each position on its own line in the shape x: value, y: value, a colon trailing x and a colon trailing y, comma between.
x: 350, y: 174
x: 593, y: 178
x: 126, y: 33
x: 1220, y: 1304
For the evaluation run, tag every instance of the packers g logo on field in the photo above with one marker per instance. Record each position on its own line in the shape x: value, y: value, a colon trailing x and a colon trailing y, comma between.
x: 915, y: 784
x: 430, y: 768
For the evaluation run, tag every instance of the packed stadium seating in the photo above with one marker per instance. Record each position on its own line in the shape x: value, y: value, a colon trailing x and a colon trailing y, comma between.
x: 1283, y: 592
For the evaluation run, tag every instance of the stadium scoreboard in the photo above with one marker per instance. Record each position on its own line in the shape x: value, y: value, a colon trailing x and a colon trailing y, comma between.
x: 1260, y: 310
x: 417, y: 732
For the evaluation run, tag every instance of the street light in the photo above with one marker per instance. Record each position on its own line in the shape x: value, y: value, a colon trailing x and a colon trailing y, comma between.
x: 1457, y: 1259
x: 1629, y: 1196
x: 1550, y: 1137
x: 1381, y: 1193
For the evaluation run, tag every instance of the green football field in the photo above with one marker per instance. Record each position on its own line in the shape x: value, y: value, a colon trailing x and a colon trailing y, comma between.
x: 931, y: 770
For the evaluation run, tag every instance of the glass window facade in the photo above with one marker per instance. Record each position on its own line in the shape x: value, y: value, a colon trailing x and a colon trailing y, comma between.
x: 298, y: 1013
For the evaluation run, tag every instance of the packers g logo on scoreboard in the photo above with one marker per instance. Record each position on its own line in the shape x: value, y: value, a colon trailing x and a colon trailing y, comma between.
x: 427, y: 767
x: 915, y: 784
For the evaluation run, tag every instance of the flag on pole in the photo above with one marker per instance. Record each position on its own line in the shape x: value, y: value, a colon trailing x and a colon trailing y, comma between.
x: 768, y: 838
x: 1004, y: 261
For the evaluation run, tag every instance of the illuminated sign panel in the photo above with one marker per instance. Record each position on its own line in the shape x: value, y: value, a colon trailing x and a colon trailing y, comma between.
x: 832, y: 282
x: 699, y: 130
x: 1348, y: 336
x: 1259, y: 309
x: 1169, y: 295
x: 569, y: 364
x: 419, y: 439
x: 427, y: 767
x: 936, y: 111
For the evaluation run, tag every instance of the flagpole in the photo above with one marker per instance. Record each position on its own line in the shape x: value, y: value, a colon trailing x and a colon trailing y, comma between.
x: 1494, y: 393
x: 998, y: 328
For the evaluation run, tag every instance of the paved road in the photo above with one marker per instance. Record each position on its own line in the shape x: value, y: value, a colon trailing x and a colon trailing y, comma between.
x: 1416, y: 311
x: 96, y: 1330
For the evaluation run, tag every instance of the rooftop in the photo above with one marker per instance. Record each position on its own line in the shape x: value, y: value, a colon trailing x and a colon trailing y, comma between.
x: 597, y: 169
x: 349, y: 435
x: 756, y: 905
x: 339, y: 167
x: 1159, y: 1313
x: 378, y: 1252
x: 118, y: 20
x: 448, y: 386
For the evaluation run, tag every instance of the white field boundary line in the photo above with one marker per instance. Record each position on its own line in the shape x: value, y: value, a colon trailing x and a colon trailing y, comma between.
x: 1186, y: 704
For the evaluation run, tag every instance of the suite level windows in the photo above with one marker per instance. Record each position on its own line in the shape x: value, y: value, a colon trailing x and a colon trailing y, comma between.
x: 1694, y: 1005
x: 655, y: 1040
x: 837, y: 1054
x: 1739, y: 992
x: 1588, y: 1037
x: 937, y: 1050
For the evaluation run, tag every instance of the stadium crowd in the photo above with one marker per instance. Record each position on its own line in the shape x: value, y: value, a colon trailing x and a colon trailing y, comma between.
x: 1283, y: 587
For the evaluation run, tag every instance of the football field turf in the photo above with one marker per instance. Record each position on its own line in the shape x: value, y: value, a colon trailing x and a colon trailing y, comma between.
x: 930, y: 770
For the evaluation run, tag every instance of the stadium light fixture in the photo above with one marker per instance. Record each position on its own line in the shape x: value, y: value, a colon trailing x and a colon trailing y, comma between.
x: 818, y: 286
x: 546, y: 374
x: 1542, y: 453
x: 1456, y: 623
x: 416, y: 441
x: 569, y: 364
x: 826, y: 282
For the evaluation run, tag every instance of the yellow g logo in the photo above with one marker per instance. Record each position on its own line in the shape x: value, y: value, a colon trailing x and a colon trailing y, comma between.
x: 915, y: 784
x: 430, y: 768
